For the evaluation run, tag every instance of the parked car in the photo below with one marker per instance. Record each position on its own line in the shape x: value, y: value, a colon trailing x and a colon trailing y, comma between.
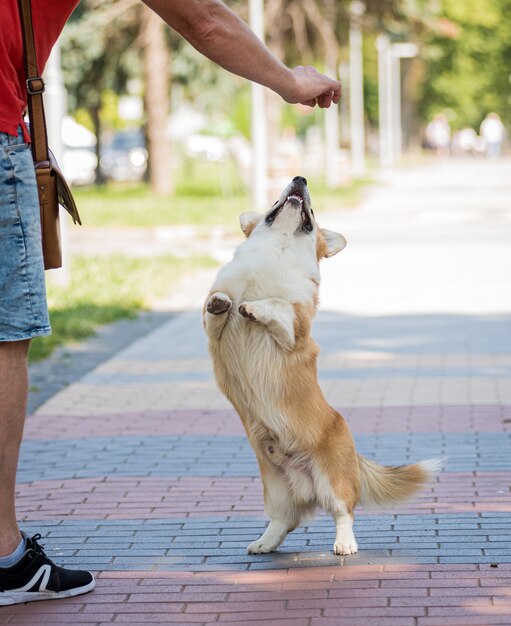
x: 124, y: 156
x: 78, y: 160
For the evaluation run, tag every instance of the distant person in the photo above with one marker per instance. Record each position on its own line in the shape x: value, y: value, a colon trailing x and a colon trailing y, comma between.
x: 493, y: 132
x: 464, y: 141
x: 26, y: 573
x: 438, y: 134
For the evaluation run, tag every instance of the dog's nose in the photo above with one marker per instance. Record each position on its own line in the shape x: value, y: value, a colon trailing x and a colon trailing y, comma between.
x: 300, y: 179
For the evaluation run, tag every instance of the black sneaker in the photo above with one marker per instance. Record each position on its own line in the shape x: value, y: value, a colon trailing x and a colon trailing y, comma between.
x: 35, y: 577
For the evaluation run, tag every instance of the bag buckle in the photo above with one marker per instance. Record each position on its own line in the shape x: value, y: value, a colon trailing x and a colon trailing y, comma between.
x: 35, y: 85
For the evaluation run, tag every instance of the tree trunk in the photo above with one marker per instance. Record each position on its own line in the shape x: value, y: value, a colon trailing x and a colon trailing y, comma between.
x: 412, y: 76
x: 156, y: 66
x: 96, y: 120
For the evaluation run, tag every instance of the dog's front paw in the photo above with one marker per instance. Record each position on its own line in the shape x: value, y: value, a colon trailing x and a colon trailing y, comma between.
x: 218, y: 303
x: 346, y: 547
x: 260, y: 547
x: 246, y: 310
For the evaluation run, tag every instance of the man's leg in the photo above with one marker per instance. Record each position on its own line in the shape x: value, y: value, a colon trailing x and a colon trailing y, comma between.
x: 26, y: 572
x: 13, y: 404
x: 29, y: 574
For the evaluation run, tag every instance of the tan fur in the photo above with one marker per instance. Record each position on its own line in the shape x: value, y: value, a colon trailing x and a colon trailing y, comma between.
x: 321, y: 247
x: 304, y: 448
x: 249, y: 228
x: 382, y: 486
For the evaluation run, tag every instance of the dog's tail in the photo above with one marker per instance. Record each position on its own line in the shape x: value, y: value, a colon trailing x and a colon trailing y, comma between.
x: 381, y: 485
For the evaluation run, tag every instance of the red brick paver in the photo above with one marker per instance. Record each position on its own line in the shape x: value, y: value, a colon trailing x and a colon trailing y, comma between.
x: 370, y: 419
x: 181, y: 497
x: 358, y: 594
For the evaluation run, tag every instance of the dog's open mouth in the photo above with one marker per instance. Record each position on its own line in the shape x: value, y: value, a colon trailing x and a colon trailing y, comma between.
x: 295, y: 198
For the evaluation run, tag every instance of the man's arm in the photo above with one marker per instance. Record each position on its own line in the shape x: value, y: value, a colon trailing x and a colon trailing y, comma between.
x: 219, y: 34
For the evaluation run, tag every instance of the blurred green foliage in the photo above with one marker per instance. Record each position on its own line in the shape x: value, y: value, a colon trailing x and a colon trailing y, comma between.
x: 467, y: 62
x: 464, y: 64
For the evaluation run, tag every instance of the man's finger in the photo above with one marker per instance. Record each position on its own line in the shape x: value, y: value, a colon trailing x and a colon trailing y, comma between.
x: 325, y: 100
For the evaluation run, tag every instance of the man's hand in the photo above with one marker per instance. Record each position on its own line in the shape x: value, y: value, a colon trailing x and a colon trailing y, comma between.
x: 216, y: 32
x: 312, y: 88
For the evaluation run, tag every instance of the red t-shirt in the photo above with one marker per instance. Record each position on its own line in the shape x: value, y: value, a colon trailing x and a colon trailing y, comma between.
x: 49, y: 17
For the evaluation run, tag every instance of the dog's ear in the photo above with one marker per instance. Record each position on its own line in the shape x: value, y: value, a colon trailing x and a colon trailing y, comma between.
x: 249, y: 220
x: 332, y: 242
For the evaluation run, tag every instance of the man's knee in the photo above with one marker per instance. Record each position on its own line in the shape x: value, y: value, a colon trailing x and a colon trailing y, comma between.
x: 14, y: 352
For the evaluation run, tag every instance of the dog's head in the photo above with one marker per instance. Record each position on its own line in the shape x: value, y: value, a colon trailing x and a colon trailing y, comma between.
x: 292, y: 214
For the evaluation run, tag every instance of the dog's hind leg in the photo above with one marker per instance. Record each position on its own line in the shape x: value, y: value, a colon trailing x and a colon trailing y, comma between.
x: 216, y: 311
x: 336, y: 492
x: 284, y: 512
x: 342, y: 512
x: 271, y: 539
x: 277, y: 315
x: 345, y: 542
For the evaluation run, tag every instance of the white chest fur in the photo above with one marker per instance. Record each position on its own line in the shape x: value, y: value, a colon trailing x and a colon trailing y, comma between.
x: 249, y: 363
x: 281, y: 266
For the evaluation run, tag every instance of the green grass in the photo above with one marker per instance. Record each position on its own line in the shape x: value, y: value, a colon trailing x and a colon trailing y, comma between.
x: 205, y: 193
x: 137, y: 206
x: 104, y: 290
x: 202, y: 197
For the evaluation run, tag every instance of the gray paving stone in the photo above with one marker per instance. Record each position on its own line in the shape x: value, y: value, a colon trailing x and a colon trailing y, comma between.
x: 170, y: 545
x: 474, y: 559
x: 232, y: 456
x: 502, y: 549
x: 493, y: 538
x: 72, y: 362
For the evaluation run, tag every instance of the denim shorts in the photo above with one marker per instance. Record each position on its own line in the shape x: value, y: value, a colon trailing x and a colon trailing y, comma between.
x: 23, y: 308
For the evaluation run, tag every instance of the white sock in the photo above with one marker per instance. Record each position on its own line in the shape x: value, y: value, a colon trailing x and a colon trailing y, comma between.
x: 14, y: 557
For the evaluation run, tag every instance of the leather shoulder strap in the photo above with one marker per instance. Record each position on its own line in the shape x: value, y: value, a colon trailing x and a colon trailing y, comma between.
x: 35, y: 86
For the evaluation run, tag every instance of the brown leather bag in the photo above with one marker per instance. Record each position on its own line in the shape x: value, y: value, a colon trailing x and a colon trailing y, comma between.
x: 51, y: 185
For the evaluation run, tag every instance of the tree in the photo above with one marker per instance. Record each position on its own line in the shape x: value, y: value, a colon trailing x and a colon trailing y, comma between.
x: 105, y: 44
x: 468, y: 62
x: 156, y: 69
x: 96, y: 57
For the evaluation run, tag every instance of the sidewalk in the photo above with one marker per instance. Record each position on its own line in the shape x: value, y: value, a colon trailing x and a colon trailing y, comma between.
x: 141, y: 472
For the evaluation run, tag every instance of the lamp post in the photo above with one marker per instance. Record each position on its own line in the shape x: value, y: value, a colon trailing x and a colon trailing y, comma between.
x: 384, y: 103
x: 357, y: 131
x: 399, y: 51
x: 389, y: 96
x: 258, y: 121
x: 55, y: 110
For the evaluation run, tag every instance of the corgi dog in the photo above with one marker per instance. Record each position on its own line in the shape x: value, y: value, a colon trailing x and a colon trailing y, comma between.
x: 258, y: 317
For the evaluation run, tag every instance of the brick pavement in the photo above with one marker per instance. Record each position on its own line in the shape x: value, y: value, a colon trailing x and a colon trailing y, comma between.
x: 70, y: 362
x: 140, y: 471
